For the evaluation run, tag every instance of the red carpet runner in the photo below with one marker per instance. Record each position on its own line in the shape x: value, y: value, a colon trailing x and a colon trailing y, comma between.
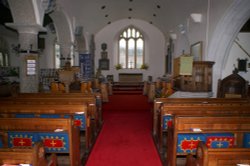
x: 125, y: 139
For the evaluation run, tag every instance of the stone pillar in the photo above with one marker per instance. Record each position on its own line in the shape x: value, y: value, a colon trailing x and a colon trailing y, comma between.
x: 29, y: 82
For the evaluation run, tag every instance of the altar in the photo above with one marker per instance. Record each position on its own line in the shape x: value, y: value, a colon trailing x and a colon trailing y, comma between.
x: 130, y: 77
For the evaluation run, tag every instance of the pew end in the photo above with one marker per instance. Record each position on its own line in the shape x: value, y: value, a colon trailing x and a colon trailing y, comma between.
x: 218, y: 156
x: 34, y: 156
x: 58, y: 135
x: 191, y: 160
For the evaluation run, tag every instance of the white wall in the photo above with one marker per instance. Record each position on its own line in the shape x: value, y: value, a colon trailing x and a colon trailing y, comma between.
x: 237, y: 53
x: 217, y: 10
x: 154, y: 48
x: 47, y: 59
x: 212, y: 12
x: 193, y: 32
x: 12, y: 38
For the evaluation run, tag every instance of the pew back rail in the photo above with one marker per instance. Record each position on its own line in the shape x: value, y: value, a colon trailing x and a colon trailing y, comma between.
x: 34, y: 156
x: 218, y: 156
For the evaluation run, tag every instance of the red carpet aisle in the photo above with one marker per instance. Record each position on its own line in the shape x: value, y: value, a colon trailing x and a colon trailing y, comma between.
x: 125, y: 139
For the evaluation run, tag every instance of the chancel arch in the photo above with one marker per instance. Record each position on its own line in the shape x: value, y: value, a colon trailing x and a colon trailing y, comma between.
x: 226, y: 31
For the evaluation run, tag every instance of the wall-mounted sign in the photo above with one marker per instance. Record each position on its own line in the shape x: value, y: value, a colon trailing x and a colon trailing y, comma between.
x: 242, y: 65
x: 31, y: 63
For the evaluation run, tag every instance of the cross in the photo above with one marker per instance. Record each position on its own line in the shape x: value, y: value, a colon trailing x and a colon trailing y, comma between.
x: 53, y: 143
x: 131, y: 64
x: 21, y: 142
x: 191, y: 144
x: 219, y: 145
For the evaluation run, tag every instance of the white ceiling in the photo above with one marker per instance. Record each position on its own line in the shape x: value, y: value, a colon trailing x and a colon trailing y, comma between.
x: 93, y: 15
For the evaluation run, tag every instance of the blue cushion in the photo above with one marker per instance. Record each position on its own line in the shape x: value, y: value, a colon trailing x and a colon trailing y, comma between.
x: 49, y: 116
x: 1, y: 143
x: 25, y: 115
x: 246, y: 140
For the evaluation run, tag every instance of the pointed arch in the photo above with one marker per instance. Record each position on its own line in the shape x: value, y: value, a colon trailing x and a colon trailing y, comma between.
x: 221, y: 42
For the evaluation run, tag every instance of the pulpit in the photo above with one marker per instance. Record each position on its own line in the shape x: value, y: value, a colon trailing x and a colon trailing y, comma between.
x: 67, y: 75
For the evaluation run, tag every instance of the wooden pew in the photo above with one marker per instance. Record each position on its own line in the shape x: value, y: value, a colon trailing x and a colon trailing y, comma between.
x: 58, y: 135
x: 79, y: 112
x: 94, y: 101
x: 150, y: 88
x: 104, y: 92
x: 93, y: 110
x: 237, y: 125
x: 196, y: 109
x: 87, y: 102
x: 34, y: 156
x: 218, y: 156
x: 158, y: 102
x: 165, y: 106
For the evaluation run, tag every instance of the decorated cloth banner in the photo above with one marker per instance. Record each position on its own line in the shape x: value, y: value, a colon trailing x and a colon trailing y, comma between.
x: 221, y: 140
x: 167, y: 121
x: 187, y: 143
x: 21, y: 139
x: 53, y: 141
x: 80, y: 120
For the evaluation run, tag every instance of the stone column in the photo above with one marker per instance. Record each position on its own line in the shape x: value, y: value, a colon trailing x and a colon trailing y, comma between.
x: 29, y: 83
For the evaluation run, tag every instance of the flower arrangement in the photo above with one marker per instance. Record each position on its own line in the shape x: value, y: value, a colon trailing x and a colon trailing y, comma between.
x: 144, y: 66
x: 118, y: 66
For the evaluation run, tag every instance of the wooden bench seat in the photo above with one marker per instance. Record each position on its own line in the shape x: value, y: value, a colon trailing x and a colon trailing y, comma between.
x: 78, y: 112
x: 58, y: 135
x: 89, y: 103
x: 34, y: 156
x: 218, y: 156
x: 200, y: 127
x: 93, y: 102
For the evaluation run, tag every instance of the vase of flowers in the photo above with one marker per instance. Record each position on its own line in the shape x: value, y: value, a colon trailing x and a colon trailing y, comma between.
x: 118, y: 66
x: 144, y: 66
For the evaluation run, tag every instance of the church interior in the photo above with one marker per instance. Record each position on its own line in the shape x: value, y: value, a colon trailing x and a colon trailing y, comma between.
x: 132, y: 82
